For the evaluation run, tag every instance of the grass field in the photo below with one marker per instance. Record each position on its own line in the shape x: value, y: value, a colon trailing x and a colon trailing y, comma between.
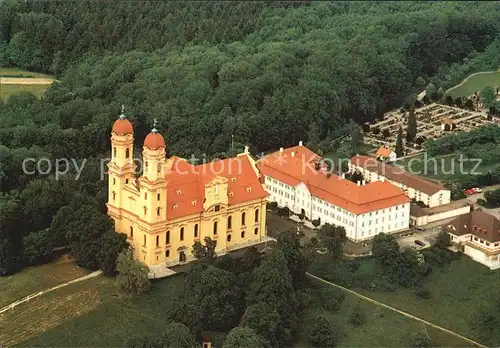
x: 458, y: 291
x: 113, y: 320
x: 441, y: 167
x: 6, y: 90
x: 17, y: 72
x: 475, y: 83
x: 33, y: 279
x: 383, y: 328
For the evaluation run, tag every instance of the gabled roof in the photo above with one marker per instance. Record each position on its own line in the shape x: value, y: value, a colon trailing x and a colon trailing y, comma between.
x: 298, y: 164
x: 384, y: 151
x: 478, y: 223
x: 397, y: 174
x: 186, y: 183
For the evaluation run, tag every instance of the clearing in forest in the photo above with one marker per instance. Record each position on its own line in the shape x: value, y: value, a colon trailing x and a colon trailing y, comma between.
x: 475, y: 82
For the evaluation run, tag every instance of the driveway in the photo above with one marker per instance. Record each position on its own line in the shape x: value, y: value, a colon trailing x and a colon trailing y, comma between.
x: 408, y: 238
x: 473, y: 198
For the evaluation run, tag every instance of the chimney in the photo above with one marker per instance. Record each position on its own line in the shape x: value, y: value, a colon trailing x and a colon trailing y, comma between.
x: 300, y: 143
x: 364, y: 182
x: 359, y: 183
x: 281, y: 149
x: 293, y: 153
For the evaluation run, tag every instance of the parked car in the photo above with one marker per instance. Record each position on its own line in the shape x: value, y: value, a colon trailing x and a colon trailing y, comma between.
x: 419, y: 242
x: 478, y: 190
x: 420, y: 229
x: 469, y: 192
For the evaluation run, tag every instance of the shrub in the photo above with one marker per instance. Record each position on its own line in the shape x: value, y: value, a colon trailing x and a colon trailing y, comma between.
x: 272, y: 205
x: 323, y: 333
x: 423, y: 293
x: 316, y: 222
x: 358, y: 317
x: 331, y: 298
x: 420, y: 340
x: 284, y: 212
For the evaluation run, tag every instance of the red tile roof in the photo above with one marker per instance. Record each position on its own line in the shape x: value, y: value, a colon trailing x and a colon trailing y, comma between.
x: 397, y: 174
x: 186, y: 183
x: 384, y: 151
x: 297, y: 164
x: 478, y: 223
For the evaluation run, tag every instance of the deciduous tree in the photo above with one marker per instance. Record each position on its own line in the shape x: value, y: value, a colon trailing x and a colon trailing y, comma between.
x: 132, y: 274
x: 242, y: 337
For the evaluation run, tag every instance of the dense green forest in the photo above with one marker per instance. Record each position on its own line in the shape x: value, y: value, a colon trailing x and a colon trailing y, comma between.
x: 270, y: 74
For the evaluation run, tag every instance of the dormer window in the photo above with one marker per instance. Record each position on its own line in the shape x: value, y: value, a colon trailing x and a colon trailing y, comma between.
x: 231, y: 194
x: 233, y: 179
x: 249, y: 189
x: 179, y: 192
x: 217, y: 207
x: 193, y: 203
x: 176, y: 207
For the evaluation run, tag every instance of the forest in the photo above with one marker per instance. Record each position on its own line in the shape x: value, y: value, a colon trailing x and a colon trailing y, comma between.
x: 270, y: 74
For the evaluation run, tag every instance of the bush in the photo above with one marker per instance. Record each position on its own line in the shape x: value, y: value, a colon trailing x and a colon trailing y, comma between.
x: 423, y: 293
x: 284, y: 212
x: 316, y: 222
x: 323, y: 333
x: 331, y: 298
x: 272, y: 205
x: 421, y: 340
x: 358, y: 317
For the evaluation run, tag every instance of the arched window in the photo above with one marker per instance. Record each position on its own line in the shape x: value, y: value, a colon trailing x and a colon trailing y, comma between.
x: 144, y: 240
x: 215, y: 227
x: 114, y: 195
x: 145, y: 210
x: 243, y: 215
x: 157, y: 241
x: 256, y: 231
x: 256, y: 215
x: 158, y: 211
x: 131, y: 232
x: 158, y: 168
x: 182, y: 233
x: 167, y: 237
x: 114, y: 181
x: 242, y: 234
x: 228, y: 237
x: 127, y: 153
x: 229, y: 222
x: 167, y: 253
x: 147, y: 166
x: 145, y: 195
x: 114, y: 152
x: 196, y: 231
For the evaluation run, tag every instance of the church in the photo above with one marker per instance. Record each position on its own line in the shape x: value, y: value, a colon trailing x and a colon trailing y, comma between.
x: 174, y: 203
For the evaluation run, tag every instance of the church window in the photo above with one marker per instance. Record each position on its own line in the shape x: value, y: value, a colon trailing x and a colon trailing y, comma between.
x: 215, y: 227
x: 256, y: 215
x: 228, y: 237
x: 167, y: 237
x: 114, y: 195
x: 242, y: 234
x: 182, y: 233
x: 196, y: 231
x: 157, y: 211
x: 158, y: 168
x: 229, y: 222
x: 217, y: 207
x: 145, y: 210
x: 243, y: 215
x: 144, y: 241
x: 167, y: 253
x: 131, y: 232
x: 114, y: 152
x: 126, y: 181
x: 256, y: 231
x: 114, y: 181
x: 157, y: 241
x: 127, y: 153
x: 145, y: 195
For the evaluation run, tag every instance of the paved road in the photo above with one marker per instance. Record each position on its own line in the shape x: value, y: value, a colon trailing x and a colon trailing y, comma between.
x: 473, y: 198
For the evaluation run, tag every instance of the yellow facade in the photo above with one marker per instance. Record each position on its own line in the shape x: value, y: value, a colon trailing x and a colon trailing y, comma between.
x: 139, y: 208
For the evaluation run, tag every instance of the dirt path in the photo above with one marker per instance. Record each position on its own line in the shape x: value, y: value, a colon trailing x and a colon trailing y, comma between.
x: 25, y: 81
x: 408, y: 315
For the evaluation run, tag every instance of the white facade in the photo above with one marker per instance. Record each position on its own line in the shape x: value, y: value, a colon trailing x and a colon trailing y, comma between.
x: 358, y: 226
x: 482, y: 251
x: 439, y: 198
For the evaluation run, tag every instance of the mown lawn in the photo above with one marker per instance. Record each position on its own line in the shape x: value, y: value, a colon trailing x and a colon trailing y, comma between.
x: 458, y: 291
x: 476, y: 83
x: 115, y: 320
x: 442, y: 167
x: 34, y: 279
x: 383, y: 328
x: 18, y: 72
x: 6, y: 90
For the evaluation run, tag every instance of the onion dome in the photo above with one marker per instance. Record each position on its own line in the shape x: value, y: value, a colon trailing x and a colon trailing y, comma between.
x: 122, y: 126
x: 154, y: 140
